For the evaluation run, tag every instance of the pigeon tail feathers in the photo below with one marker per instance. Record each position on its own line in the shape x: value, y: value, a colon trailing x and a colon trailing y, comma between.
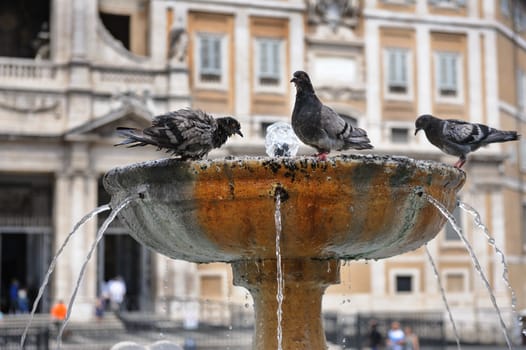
x: 502, y: 136
x: 133, y: 137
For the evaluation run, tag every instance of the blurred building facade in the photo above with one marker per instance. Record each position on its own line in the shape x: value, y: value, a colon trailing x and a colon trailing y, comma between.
x: 71, y: 71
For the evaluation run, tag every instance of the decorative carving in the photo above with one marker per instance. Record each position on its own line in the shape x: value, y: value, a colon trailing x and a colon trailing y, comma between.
x: 340, y: 94
x: 334, y: 13
x: 41, y: 43
x: 28, y: 102
x: 178, y: 39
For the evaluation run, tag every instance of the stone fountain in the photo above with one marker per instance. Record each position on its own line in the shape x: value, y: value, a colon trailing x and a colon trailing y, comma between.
x: 348, y: 207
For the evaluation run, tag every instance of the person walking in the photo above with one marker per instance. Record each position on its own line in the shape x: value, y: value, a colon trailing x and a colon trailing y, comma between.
x: 395, y: 337
x: 374, y: 337
x: 13, y: 297
x: 411, y: 339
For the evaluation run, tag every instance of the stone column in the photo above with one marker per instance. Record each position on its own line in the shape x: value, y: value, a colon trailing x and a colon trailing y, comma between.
x: 75, y: 196
x: 60, y: 22
x: 243, y: 64
x: 83, y: 50
x: 178, y: 81
x: 373, y: 93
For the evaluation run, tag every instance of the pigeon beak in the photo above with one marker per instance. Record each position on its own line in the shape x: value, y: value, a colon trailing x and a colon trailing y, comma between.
x: 293, y: 80
x: 417, y: 130
x: 239, y: 133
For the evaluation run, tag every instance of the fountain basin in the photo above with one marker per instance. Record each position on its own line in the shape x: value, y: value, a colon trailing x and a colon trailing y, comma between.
x: 348, y: 207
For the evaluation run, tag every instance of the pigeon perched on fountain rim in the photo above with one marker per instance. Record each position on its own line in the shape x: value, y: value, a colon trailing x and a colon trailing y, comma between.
x: 458, y: 138
x: 319, y: 126
x: 185, y: 133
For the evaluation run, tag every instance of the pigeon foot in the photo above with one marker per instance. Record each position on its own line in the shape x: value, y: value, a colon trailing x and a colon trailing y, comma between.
x: 459, y: 163
x: 322, y: 156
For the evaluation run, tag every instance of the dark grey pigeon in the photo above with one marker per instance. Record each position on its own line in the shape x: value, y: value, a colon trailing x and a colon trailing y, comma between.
x: 318, y: 125
x: 458, y: 138
x: 186, y: 133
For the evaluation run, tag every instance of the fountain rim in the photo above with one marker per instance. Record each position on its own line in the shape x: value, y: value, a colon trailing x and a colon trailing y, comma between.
x: 428, y: 166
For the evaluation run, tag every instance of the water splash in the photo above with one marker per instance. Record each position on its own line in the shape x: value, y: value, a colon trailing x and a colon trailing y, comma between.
x: 100, y: 232
x: 505, y: 276
x: 444, y: 298
x: 53, y: 263
x: 279, y: 271
x: 474, y: 259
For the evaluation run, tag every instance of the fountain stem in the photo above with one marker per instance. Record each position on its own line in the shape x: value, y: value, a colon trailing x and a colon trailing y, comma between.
x: 305, y: 281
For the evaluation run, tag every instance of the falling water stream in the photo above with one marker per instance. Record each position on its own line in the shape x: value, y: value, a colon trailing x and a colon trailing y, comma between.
x: 444, y: 298
x: 443, y: 210
x: 101, y: 231
x: 476, y: 218
x: 279, y: 271
x: 53, y: 263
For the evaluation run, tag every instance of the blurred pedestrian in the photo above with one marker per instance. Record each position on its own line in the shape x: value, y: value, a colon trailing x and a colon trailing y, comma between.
x: 105, y: 295
x: 117, y: 290
x: 13, y: 297
x: 374, y: 337
x: 23, y: 302
x: 395, y: 337
x: 411, y: 339
x: 58, y: 312
x: 99, y: 309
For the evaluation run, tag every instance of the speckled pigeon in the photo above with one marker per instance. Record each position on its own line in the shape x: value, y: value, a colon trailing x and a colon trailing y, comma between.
x: 186, y: 133
x: 319, y: 126
x: 458, y: 138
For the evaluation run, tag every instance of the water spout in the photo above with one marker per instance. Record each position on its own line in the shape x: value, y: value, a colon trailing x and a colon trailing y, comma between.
x: 53, y: 263
x: 475, y: 260
x: 100, y: 232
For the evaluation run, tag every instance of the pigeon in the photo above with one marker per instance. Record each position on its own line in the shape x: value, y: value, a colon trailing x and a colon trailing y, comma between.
x: 318, y: 126
x: 185, y: 133
x: 458, y: 138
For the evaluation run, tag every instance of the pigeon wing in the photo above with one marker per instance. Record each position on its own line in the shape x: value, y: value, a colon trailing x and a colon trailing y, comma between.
x: 342, y: 134
x: 183, y: 130
x: 462, y: 132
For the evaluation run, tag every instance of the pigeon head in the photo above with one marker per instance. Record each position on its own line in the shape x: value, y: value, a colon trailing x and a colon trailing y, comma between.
x: 423, y: 122
x: 302, y: 81
x: 229, y: 126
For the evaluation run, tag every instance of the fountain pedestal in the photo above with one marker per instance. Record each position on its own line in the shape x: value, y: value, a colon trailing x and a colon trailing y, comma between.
x: 349, y: 207
x: 305, y: 283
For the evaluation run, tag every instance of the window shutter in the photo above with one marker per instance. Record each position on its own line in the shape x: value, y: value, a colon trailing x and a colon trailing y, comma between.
x: 269, y: 61
x: 397, y: 66
x: 447, y: 72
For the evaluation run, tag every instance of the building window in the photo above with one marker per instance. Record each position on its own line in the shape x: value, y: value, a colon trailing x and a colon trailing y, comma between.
x: 451, y: 234
x: 399, y: 135
x: 455, y: 282
x: 209, y: 58
x: 505, y: 7
x: 404, y: 283
x: 404, y: 280
x: 519, y: 14
x: 269, y: 61
x: 448, y: 3
x: 397, y: 63
x: 448, y: 74
x: 269, y: 56
x: 118, y: 26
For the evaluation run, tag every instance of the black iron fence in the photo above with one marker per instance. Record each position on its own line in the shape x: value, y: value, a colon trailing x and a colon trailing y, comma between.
x: 351, y: 331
